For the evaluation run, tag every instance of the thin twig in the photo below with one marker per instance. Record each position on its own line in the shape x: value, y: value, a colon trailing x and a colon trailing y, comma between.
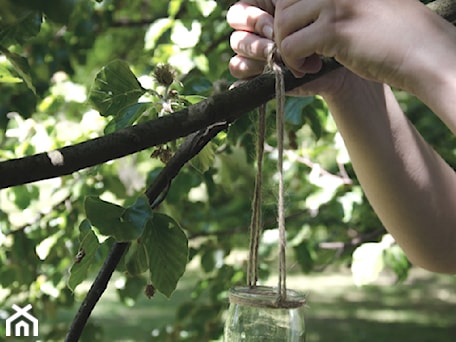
x: 343, y: 177
x: 356, y: 241
x: 189, y: 148
x: 124, y: 22
x: 95, y: 292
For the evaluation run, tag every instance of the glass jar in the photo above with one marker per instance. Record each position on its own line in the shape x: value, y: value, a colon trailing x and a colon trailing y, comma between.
x: 256, y: 315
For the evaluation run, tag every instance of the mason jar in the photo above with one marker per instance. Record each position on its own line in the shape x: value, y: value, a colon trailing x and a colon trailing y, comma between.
x: 256, y: 315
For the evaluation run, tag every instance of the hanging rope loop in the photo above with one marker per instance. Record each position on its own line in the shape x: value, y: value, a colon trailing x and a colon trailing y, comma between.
x: 256, y: 224
x: 280, y: 119
x: 274, y: 64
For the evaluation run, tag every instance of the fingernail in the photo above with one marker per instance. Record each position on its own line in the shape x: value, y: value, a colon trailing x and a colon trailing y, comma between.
x: 298, y: 74
x: 268, y: 32
x: 301, y: 70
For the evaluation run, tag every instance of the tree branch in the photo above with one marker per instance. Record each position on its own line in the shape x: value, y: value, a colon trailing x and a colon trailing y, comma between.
x: 189, y: 148
x: 95, y: 292
x: 445, y: 8
x: 354, y: 242
x: 224, y: 107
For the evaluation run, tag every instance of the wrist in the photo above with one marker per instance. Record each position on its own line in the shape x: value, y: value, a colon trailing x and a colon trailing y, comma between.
x: 347, y: 88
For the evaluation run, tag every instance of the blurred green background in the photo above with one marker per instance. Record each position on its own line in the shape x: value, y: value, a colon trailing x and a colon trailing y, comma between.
x: 62, y: 64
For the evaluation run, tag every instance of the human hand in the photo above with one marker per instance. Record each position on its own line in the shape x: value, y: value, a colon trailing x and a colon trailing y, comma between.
x: 383, y: 40
x: 252, y: 41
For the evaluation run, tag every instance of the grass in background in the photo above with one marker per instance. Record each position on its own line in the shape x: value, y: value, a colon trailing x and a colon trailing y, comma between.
x: 421, y: 310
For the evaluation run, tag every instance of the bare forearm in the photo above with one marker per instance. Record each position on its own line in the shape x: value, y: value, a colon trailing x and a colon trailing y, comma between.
x: 410, y: 187
x: 433, y: 74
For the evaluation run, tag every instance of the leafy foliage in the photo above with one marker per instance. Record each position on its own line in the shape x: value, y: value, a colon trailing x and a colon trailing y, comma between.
x: 88, y: 70
x: 115, y: 88
x: 123, y: 224
x: 167, y: 251
x: 88, y: 246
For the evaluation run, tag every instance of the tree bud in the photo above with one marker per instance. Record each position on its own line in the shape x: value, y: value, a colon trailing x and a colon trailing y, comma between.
x: 164, y: 74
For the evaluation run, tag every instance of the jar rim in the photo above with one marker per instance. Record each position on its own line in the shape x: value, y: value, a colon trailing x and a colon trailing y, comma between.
x: 265, y: 297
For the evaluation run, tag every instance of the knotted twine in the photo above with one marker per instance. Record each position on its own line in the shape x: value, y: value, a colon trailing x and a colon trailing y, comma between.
x: 274, y: 65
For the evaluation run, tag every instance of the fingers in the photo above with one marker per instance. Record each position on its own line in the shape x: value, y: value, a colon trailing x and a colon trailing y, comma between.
x: 252, y: 40
x: 293, y: 15
x: 243, y: 17
x: 243, y: 68
x: 265, y: 5
x: 297, y: 22
x: 250, y: 45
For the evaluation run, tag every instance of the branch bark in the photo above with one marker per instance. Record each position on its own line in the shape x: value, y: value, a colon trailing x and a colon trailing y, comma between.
x: 445, y: 8
x: 95, y: 292
x: 225, y: 107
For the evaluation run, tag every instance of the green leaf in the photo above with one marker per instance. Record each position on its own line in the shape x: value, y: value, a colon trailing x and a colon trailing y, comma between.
x: 193, y: 99
x: 137, y: 259
x: 139, y: 213
x: 116, y: 221
x: 174, y: 7
x: 395, y: 258
x: 25, y: 194
x: 103, y: 215
x: 20, y: 25
x: 316, y: 116
x: 127, y: 117
x: 303, y: 253
x: 205, y: 158
x: 208, y: 261
x: 167, y: 248
x: 7, y: 77
x: 21, y: 66
x: 294, y: 109
x: 88, y: 246
x: 115, y: 88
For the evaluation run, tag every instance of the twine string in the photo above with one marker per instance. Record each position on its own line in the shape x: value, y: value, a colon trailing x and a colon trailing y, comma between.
x: 274, y: 64
x: 265, y: 297
x: 256, y: 223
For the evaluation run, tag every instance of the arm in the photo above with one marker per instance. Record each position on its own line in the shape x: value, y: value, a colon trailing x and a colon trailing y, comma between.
x: 404, y: 44
x: 411, y: 188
